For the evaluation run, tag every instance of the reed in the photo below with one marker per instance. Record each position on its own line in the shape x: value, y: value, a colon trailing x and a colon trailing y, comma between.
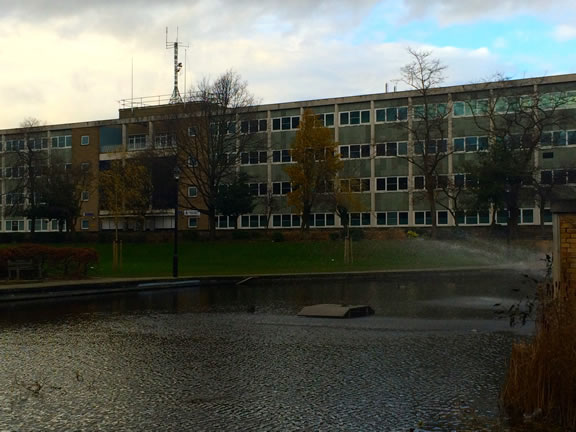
x: 541, y: 383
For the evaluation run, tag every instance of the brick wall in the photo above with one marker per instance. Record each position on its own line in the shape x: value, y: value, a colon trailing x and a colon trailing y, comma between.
x: 567, y: 237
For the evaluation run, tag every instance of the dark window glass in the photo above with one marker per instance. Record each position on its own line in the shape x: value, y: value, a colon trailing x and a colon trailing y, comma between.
x: 419, y: 218
x: 253, y: 126
x: 380, y: 184
x: 380, y: 117
x: 403, y: 113
x: 546, y: 177
x: 365, y: 185
x: 286, y: 123
x: 276, y: 188
x: 365, y: 117
x: 380, y: 149
x: 392, y: 218
x: 381, y: 218
x: 355, y: 117
x: 276, y: 124
x: 263, y: 188
x: 402, y: 183
x: 458, y: 144
x: 344, y: 152
x: 262, y: 125
x: 419, y: 182
x: 244, y: 127
x: 276, y: 156
x: 402, y: 218
x: 402, y: 148
x: 244, y: 158
x: 571, y: 137
x: 391, y: 183
x: 559, y: 177
x: 442, y: 217
x: 391, y: 114
x: 366, y: 151
x: 548, y: 155
x: 365, y: 218
x: 354, y: 151
x: 286, y: 157
x: 262, y: 157
x: 295, y: 122
x: 344, y: 118
x: 329, y: 120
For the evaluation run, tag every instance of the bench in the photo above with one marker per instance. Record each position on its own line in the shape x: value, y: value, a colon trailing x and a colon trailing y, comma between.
x: 18, y: 266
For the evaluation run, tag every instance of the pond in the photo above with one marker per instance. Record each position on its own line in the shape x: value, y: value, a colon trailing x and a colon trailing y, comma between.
x: 237, y: 358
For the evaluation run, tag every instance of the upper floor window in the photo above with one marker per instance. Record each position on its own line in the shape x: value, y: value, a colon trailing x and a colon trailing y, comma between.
x: 354, y: 117
x: 470, y: 144
x: 392, y: 114
x: 285, y: 123
x: 84, y: 140
x: 355, y: 151
x: 253, y: 126
x: 62, y: 141
x: 137, y: 142
x: 326, y: 119
x: 470, y: 108
x: 392, y: 149
x: 163, y: 141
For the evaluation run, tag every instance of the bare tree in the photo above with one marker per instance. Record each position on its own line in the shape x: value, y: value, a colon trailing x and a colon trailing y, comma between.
x: 428, y: 124
x: 515, y: 123
x: 213, y: 130
x: 63, y: 192
x: 27, y: 166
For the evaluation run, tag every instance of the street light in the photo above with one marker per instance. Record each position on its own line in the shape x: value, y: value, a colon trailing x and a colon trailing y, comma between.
x: 175, y: 256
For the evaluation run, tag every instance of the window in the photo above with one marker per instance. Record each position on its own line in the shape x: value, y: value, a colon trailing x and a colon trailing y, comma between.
x: 192, y: 162
x: 253, y: 157
x: 355, y: 151
x: 354, y: 118
x: 14, y: 145
x: 285, y: 123
x: 286, y: 221
x: 281, y: 156
x: 527, y: 216
x: 85, y: 224
x: 442, y: 217
x: 392, y: 114
x: 322, y: 220
x: 258, y: 189
x: 470, y: 108
x: 392, y: 218
x: 225, y: 222
x: 192, y: 191
x: 85, y: 195
x: 14, y: 198
x: 84, y: 140
x: 392, y: 149
x: 14, y: 225
x: 63, y: 141
x: 470, y: 144
x: 193, y: 222
x: 192, y: 131
x: 253, y: 221
x: 359, y: 219
x: 422, y: 218
x: 281, y: 188
x: 391, y: 184
x: 355, y: 185
x: 252, y: 126
x: 137, y: 142
x: 163, y: 141
x: 326, y: 120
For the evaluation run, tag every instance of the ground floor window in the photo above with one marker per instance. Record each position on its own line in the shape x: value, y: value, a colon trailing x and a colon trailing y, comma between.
x: 193, y: 222
x: 254, y: 221
x: 286, y: 221
x: 85, y: 224
x: 223, y: 222
x: 392, y: 218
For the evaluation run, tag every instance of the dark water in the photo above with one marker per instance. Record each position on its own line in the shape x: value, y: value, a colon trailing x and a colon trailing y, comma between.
x: 197, y: 359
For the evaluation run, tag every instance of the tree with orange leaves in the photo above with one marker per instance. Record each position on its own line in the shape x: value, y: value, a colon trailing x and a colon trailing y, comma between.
x: 317, y: 162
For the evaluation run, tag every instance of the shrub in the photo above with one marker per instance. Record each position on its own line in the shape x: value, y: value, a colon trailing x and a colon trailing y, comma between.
x: 54, y: 261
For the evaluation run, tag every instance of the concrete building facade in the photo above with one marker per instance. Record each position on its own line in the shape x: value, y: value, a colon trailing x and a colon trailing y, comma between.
x: 375, y: 141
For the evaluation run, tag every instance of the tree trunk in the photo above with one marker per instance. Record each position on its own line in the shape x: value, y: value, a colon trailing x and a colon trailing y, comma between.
x: 431, y: 196
x: 212, y: 223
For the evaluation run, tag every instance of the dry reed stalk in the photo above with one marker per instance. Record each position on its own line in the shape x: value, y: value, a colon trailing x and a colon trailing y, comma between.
x: 541, y: 381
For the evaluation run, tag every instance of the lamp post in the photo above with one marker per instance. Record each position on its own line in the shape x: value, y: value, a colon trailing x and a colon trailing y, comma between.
x: 175, y: 256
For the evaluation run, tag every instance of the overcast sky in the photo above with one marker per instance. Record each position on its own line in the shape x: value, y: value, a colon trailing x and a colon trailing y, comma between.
x: 68, y: 60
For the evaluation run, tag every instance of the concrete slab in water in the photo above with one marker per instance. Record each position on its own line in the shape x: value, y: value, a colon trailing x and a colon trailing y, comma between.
x: 336, y: 311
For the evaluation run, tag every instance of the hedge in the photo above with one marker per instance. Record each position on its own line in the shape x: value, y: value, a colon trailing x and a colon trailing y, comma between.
x: 55, y: 261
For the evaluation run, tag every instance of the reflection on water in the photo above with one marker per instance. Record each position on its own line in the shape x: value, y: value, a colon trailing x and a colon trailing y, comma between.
x: 198, y: 359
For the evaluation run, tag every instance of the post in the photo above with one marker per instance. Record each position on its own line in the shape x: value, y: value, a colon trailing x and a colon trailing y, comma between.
x: 175, y: 256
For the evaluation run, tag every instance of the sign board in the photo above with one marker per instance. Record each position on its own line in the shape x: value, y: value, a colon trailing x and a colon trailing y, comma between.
x: 191, y: 213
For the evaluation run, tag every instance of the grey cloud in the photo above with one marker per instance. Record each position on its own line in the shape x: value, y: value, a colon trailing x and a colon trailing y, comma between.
x: 458, y: 10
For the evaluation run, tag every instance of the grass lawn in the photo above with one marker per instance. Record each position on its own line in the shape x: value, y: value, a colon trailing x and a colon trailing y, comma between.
x: 263, y: 257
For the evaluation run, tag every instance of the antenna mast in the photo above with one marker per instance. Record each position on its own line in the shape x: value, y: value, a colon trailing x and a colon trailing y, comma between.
x: 176, y: 97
